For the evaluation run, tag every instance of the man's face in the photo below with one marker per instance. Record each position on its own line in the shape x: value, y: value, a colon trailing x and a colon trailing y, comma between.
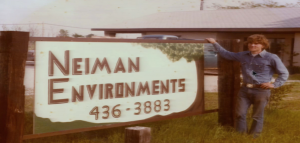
x: 255, y: 47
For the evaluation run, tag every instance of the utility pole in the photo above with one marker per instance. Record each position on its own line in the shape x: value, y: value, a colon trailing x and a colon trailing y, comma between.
x: 201, y: 4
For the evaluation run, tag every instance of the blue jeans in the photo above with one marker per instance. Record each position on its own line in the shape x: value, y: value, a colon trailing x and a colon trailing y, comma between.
x: 259, y: 98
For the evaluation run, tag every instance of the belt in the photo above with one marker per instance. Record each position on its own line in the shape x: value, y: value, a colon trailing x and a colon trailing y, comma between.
x: 251, y: 85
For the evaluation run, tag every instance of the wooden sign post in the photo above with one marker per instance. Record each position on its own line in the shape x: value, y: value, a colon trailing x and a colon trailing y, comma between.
x: 137, y: 135
x: 13, y: 54
x: 228, y: 83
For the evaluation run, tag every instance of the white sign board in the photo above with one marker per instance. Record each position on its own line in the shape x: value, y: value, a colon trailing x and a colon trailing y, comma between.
x: 97, y: 83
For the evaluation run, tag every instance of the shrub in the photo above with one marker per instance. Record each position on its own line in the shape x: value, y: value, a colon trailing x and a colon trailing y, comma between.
x: 277, y: 95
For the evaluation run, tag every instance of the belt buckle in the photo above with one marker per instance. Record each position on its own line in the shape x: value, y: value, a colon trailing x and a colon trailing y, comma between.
x: 249, y: 85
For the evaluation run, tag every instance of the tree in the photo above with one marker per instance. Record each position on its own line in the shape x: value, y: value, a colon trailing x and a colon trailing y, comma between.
x: 5, y: 28
x: 14, y: 28
x: 17, y: 28
x: 33, y: 30
x: 63, y: 33
x: 176, y: 51
x: 90, y: 35
x: 264, y: 4
x: 77, y: 35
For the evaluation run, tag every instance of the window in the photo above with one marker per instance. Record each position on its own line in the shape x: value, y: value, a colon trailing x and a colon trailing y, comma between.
x: 277, y: 47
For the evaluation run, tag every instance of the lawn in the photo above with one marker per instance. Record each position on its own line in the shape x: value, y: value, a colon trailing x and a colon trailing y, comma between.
x: 281, y: 125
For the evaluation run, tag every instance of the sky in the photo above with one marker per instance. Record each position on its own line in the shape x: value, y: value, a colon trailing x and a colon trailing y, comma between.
x: 47, y: 17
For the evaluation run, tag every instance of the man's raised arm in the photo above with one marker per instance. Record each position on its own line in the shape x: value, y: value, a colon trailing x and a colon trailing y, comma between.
x: 223, y: 52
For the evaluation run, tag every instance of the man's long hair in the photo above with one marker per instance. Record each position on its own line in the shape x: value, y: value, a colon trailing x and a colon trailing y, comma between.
x: 259, y: 38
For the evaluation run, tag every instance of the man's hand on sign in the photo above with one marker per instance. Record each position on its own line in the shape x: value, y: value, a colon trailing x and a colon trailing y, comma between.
x: 267, y: 85
x: 211, y: 40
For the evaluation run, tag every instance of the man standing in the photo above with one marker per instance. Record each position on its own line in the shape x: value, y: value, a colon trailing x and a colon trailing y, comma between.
x: 258, y: 67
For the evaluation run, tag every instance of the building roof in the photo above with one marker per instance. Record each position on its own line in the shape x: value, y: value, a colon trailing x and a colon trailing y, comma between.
x: 243, y: 19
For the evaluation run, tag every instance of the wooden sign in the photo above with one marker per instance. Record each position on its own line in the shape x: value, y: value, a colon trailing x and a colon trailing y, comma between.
x: 81, y: 85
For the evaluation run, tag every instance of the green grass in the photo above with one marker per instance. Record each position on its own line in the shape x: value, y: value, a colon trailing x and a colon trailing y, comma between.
x: 292, y: 100
x: 211, y: 100
x: 280, y: 126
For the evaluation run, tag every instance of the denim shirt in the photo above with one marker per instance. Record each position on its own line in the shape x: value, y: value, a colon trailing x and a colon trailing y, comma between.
x: 257, y: 69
